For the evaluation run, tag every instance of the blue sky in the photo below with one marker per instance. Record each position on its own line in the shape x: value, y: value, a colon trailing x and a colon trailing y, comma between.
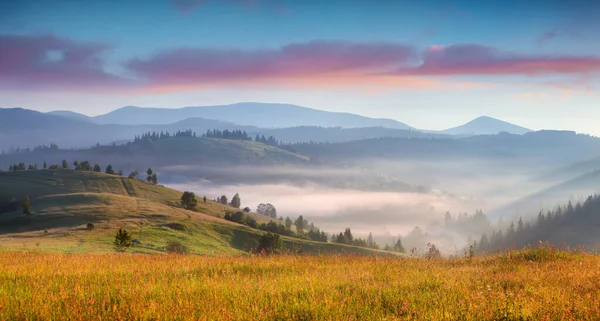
x: 431, y: 64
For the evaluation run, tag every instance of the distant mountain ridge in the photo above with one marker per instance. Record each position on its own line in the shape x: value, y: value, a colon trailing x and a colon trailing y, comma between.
x: 278, y: 116
x: 485, y: 125
x: 71, y: 115
x: 28, y: 128
x: 249, y: 114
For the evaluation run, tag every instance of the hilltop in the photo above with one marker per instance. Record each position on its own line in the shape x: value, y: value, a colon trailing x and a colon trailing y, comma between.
x: 65, y: 201
x: 486, y: 126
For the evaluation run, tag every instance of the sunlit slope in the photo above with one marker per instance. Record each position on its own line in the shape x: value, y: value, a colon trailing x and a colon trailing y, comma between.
x: 65, y: 201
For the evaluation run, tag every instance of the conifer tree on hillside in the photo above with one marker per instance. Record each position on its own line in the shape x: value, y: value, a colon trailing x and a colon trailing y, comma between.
x: 188, y: 200
x: 301, y: 224
x: 109, y: 169
x: 149, y: 172
x: 236, y: 201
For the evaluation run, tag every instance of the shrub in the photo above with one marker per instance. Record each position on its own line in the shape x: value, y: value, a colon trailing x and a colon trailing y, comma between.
x: 90, y: 226
x: 270, y: 244
x: 177, y: 247
x: 251, y: 222
x: 433, y: 252
x: 239, y: 217
x: 26, y: 204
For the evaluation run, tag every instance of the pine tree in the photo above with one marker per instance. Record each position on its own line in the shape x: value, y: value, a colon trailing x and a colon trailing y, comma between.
x: 370, y: 241
x: 109, y: 170
x: 122, y: 239
x: 45, y: 166
x: 300, y: 224
x: 149, y: 172
x: 188, y: 200
x: 236, y: 201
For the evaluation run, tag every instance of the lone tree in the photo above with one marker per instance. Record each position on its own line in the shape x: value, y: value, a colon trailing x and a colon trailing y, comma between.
x: 64, y: 164
x: 45, y: 166
x: 267, y: 210
x: 97, y: 168
x: 110, y: 169
x: 236, y: 201
x: 122, y: 240
x: 270, y: 244
x: 154, y: 179
x: 26, y: 206
x: 149, y: 172
x: 188, y: 200
x: 223, y: 199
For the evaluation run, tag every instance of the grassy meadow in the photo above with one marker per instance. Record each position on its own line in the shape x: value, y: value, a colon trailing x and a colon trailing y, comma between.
x: 538, y: 284
x: 64, y: 201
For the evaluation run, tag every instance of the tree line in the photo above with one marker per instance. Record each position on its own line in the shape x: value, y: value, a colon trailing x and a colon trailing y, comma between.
x: 566, y: 226
x: 347, y: 238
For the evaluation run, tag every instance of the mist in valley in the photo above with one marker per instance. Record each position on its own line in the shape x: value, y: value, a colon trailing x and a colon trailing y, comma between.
x: 365, y: 199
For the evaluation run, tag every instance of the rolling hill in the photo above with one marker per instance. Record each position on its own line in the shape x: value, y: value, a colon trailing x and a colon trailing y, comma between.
x: 173, y: 151
x: 64, y: 201
x: 485, y: 126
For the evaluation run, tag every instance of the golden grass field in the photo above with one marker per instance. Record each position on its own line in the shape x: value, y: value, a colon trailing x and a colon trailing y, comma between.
x: 539, y: 284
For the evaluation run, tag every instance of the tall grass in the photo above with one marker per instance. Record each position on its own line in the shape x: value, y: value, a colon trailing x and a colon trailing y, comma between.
x: 518, y: 286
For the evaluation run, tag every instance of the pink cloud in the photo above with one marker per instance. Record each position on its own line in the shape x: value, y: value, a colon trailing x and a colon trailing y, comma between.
x: 312, y: 60
x: 52, y: 63
x: 48, y: 62
x: 470, y: 59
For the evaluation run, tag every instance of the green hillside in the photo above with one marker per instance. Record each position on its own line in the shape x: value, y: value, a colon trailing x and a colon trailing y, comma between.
x: 65, y: 201
x: 206, y: 150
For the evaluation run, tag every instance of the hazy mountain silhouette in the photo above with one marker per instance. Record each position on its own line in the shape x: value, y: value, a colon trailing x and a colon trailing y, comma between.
x: 486, y: 126
x: 552, y: 148
x: 71, y: 115
x: 575, y: 189
x: 250, y: 114
x: 302, y: 134
x: 23, y: 128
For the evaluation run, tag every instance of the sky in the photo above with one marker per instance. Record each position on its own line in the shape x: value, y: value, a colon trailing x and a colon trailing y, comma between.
x: 431, y: 64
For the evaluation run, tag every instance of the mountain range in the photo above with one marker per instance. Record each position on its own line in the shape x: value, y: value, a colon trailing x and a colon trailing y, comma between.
x: 271, y: 116
x: 289, y: 123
